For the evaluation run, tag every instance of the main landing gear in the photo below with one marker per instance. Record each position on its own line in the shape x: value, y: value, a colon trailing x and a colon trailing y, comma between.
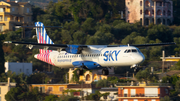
x: 105, y: 71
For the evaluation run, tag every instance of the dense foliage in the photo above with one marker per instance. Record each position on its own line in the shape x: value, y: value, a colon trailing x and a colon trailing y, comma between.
x: 2, y: 60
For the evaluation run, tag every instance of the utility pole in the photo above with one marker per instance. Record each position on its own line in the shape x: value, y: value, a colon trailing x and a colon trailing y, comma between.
x: 163, y: 59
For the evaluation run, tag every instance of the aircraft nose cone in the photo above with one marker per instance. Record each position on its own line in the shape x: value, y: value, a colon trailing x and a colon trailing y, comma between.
x: 140, y: 58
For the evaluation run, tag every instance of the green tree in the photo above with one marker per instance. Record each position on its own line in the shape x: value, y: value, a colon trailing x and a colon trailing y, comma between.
x: 38, y: 78
x: 166, y: 98
x: 102, y: 83
x: 88, y: 26
x: 145, y: 75
x: 51, y: 98
x: 2, y: 60
x: 13, y: 94
x: 18, y: 93
x: 177, y: 86
x: 94, y: 96
x: 79, y: 37
x: 68, y: 98
x: 157, y: 31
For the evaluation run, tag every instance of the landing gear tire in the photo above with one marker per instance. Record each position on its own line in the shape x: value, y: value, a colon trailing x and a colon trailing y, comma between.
x: 105, y: 72
x: 79, y: 72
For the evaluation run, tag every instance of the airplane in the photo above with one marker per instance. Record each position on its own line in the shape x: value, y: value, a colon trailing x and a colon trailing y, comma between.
x: 89, y: 57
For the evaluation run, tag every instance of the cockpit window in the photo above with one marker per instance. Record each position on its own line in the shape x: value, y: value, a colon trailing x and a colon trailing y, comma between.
x: 134, y: 50
x: 131, y: 51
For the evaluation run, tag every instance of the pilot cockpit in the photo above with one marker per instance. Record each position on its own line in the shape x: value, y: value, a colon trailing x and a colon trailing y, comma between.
x: 131, y: 51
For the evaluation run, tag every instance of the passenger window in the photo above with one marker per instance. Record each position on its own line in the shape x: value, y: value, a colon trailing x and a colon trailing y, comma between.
x: 125, y: 51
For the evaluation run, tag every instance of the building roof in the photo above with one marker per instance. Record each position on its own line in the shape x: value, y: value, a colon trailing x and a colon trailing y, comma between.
x: 6, y: 83
x: 173, y: 72
x: 13, y: 3
x: 22, y: 3
x: 83, y: 86
x: 3, y: 6
x: 109, y: 89
x: 17, y: 4
x: 50, y: 84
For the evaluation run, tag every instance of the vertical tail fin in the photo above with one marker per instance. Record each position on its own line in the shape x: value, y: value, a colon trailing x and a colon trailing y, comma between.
x: 42, y: 36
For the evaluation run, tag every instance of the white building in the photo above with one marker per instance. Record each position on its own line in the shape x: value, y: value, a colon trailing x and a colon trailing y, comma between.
x: 18, y: 68
x: 4, y: 88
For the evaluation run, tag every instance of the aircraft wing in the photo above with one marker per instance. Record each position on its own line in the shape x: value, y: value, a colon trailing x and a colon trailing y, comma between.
x: 76, y: 49
x: 155, y: 44
x: 31, y: 45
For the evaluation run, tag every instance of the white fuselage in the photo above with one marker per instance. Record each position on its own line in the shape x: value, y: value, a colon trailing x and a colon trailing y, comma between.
x: 104, y: 56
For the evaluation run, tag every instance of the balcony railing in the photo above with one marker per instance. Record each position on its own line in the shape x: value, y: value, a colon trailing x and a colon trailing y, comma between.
x: 148, y: 84
x: 139, y: 95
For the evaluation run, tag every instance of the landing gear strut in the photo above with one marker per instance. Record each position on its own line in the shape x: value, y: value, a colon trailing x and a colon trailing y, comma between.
x: 105, y: 71
x: 79, y: 72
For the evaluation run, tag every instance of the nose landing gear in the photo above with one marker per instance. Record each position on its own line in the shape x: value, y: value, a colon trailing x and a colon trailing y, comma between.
x: 79, y: 72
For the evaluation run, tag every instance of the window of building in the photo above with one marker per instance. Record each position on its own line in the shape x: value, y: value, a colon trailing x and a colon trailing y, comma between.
x: 166, y: 90
x: 42, y: 89
x: 159, y: 12
x: 27, y: 10
x: 159, y: 21
x: 168, y: 22
x: 146, y: 21
x: 153, y: 99
x: 125, y: 92
x: 1, y: 28
x: 164, y: 22
x: 50, y: 88
x: 147, y: 4
x: 87, y: 77
x: 164, y: 12
x: 153, y: 12
x: 1, y: 9
x: 125, y: 100
x: 149, y: 92
x: 27, y: 71
x: 133, y: 92
x: 140, y: 3
x: 169, y: 13
x: 140, y: 11
x: 146, y: 12
x: 12, y: 9
x: 169, y: 5
x: 160, y: 3
x: 5, y: 18
x: 135, y: 100
x: 61, y: 88
x: 1, y: 18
